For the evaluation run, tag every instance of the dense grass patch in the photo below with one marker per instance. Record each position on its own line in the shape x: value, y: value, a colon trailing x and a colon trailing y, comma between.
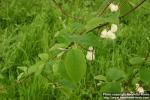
x: 29, y: 28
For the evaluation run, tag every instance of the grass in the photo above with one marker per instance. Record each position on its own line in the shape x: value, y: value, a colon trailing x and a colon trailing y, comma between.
x: 27, y: 28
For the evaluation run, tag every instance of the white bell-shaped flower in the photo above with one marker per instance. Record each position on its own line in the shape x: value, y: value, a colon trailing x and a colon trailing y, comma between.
x: 90, y: 54
x: 111, y: 35
x: 113, y: 7
x: 114, y: 28
x: 139, y: 89
x: 108, y: 34
x: 104, y: 34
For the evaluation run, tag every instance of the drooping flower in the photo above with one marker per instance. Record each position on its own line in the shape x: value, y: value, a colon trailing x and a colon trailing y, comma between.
x: 90, y: 54
x: 114, y: 28
x: 139, y: 89
x: 113, y: 7
x: 104, y: 34
x: 111, y: 35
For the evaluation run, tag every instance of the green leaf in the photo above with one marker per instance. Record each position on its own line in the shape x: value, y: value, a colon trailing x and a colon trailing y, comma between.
x: 32, y: 69
x: 136, y: 60
x: 77, y: 27
x: 23, y: 68
x: 115, y: 74
x: 20, y: 76
x: 145, y: 74
x: 133, y: 3
x: 36, y: 68
x: 43, y: 56
x: 39, y: 69
x: 94, y: 22
x: 68, y: 83
x: 103, y: 3
x: 66, y: 91
x: 64, y: 38
x: 112, y: 87
x: 146, y: 6
x: 124, y: 6
x: 112, y: 17
x: 73, y: 28
x: 59, y: 69
x: 89, y: 40
x: 57, y: 50
x: 85, y: 39
x: 48, y: 68
x: 100, y: 78
x: 57, y: 46
x: 75, y: 64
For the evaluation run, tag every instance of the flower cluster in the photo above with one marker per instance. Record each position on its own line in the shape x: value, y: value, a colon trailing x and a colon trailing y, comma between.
x: 90, y: 54
x: 110, y: 33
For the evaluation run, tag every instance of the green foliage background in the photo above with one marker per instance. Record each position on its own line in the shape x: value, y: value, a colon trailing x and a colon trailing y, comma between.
x: 28, y: 28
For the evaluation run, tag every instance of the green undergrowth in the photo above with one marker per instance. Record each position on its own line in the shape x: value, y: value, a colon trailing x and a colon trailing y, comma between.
x: 29, y: 27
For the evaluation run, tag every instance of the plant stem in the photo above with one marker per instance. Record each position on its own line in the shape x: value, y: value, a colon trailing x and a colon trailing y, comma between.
x: 106, y: 7
x: 64, y: 13
x: 126, y: 14
x: 101, y: 25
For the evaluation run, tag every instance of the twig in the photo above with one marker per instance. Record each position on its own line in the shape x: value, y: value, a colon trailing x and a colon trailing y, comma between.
x: 101, y: 25
x: 70, y: 45
x: 85, y: 31
x: 126, y: 14
x: 106, y: 7
x: 64, y: 13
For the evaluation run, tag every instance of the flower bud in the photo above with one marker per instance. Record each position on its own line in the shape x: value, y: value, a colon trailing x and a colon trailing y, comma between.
x: 113, y: 7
